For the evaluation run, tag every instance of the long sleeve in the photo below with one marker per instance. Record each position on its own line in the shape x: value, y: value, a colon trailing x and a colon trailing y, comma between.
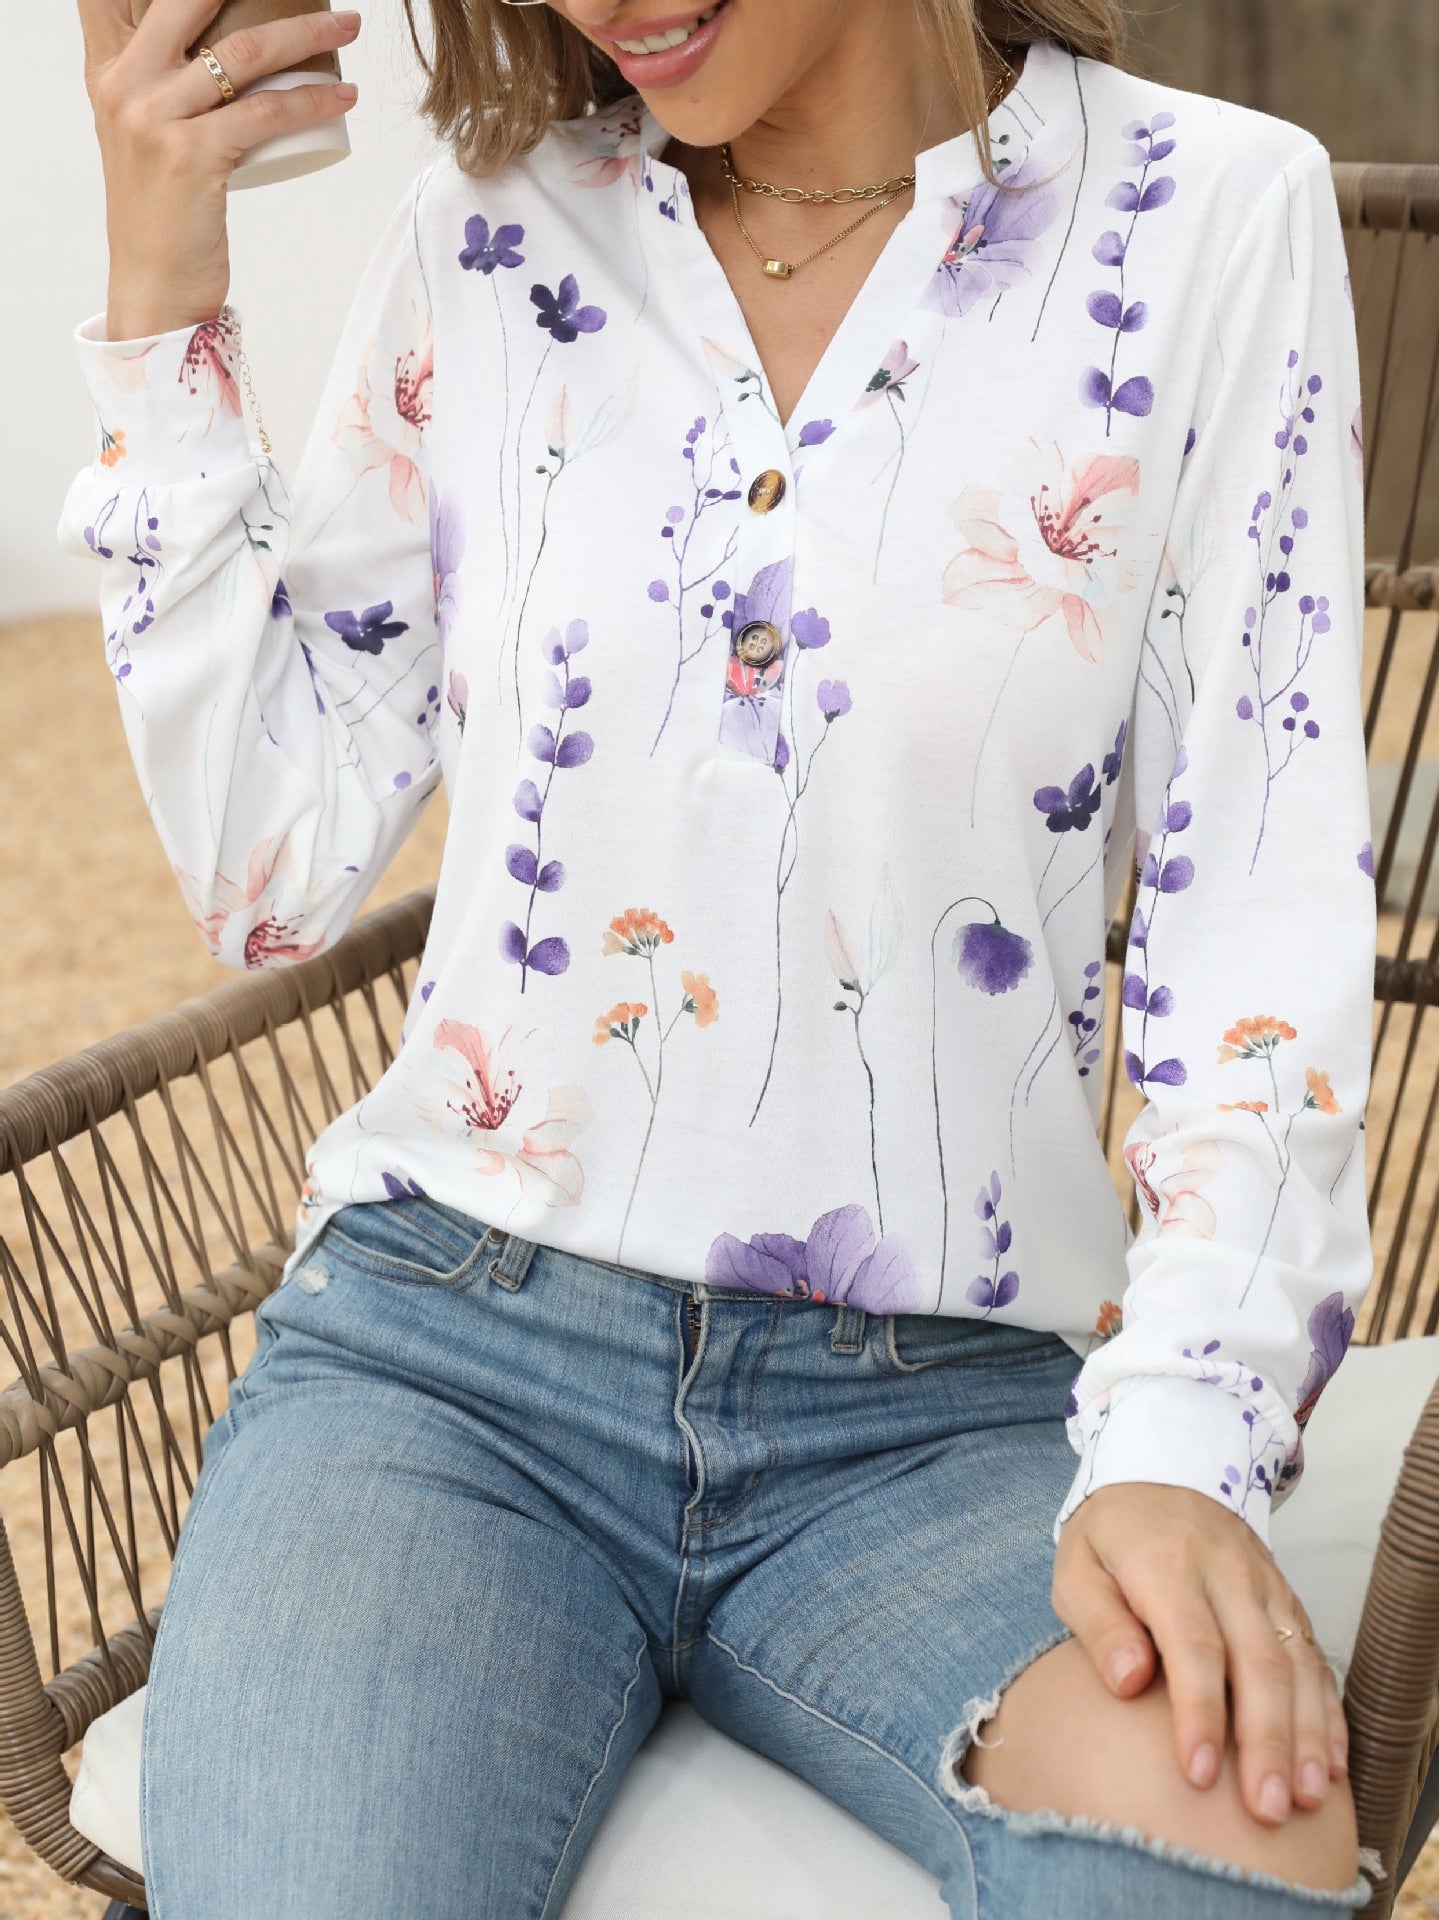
x: 1247, y: 996
x: 276, y: 655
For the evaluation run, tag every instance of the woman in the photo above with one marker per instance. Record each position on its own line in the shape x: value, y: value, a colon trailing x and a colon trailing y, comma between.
x: 825, y: 485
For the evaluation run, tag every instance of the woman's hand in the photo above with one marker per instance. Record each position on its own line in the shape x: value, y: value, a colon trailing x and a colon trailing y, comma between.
x: 169, y: 143
x: 1144, y: 1570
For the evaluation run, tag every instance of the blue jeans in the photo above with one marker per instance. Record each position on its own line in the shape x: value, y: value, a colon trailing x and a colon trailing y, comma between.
x: 477, y: 1508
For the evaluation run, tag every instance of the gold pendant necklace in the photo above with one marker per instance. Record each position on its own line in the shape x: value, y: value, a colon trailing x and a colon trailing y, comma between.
x: 881, y: 194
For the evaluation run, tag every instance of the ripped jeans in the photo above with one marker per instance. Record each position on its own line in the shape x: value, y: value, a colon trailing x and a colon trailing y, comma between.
x: 477, y: 1508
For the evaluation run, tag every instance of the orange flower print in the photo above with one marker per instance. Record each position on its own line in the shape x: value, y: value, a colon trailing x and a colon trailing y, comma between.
x: 620, y: 1023
x: 1255, y: 1038
x: 1242, y: 1106
x: 1319, y: 1093
x: 407, y: 384
x: 112, y: 445
x: 699, y: 999
x: 639, y: 932
x: 636, y: 930
x: 1110, y: 1319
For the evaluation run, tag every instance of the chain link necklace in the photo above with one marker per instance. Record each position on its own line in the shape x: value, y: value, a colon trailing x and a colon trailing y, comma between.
x: 881, y: 194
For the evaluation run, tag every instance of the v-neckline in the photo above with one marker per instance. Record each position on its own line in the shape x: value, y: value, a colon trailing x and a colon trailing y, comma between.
x: 886, y: 306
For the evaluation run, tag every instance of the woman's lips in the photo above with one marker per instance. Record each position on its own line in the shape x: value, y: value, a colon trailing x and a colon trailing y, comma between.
x: 675, y: 64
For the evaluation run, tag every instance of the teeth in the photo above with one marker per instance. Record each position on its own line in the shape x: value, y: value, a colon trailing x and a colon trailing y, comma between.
x: 661, y: 42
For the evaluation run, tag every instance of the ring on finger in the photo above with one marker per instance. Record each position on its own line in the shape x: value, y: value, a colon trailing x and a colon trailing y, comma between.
x: 218, y: 73
x: 1288, y: 1633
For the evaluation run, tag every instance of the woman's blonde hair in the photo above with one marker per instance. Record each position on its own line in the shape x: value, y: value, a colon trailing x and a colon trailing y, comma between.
x: 500, y: 74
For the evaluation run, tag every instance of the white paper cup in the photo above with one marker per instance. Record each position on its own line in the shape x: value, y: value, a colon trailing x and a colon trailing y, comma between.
x: 288, y: 155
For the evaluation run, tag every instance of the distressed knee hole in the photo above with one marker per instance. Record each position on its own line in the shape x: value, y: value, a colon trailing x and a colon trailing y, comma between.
x: 312, y: 1279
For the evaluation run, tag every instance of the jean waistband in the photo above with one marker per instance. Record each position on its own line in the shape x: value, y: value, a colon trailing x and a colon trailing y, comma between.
x: 512, y: 1263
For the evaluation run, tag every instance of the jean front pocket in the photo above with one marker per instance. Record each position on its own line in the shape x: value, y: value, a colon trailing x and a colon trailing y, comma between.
x: 413, y: 1240
x: 915, y: 1342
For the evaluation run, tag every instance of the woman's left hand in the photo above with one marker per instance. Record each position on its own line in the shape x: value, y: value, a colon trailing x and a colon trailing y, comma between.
x: 1144, y: 1571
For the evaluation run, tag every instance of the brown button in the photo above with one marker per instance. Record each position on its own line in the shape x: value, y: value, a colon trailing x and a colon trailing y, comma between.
x: 766, y: 490
x: 758, y: 643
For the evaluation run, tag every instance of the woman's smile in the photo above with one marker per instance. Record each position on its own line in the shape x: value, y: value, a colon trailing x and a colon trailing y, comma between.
x: 664, y: 53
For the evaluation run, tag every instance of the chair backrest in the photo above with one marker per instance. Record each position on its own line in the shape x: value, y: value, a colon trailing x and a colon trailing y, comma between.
x: 148, y: 1184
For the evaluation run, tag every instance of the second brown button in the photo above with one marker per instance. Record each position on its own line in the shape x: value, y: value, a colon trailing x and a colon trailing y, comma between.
x: 758, y: 643
x: 766, y: 490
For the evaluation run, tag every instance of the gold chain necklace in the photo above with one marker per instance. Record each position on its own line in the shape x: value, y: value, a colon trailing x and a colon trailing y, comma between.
x: 888, y: 189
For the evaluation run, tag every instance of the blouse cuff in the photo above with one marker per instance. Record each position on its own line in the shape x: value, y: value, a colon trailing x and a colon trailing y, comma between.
x: 168, y: 406
x: 1180, y: 1433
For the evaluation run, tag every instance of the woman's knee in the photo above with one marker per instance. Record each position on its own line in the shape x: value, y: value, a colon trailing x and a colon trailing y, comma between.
x: 1061, y: 1740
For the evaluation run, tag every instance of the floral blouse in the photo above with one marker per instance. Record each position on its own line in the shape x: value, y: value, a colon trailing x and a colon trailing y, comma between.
x: 795, y: 768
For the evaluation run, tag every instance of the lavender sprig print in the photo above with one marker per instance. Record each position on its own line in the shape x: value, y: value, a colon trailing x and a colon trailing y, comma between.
x: 1162, y: 874
x: 555, y: 749
x: 992, y: 958
x: 1275, y: 580
x: 1237, y: 1483
x: 1108, y: 308
x: 809, y: 631
x: 484, y: 252
x: 703, y: 449
x: 993, y: 1289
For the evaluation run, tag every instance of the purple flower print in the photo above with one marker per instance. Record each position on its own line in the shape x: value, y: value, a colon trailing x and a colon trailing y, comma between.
x: 1269, y: 512
x: 992, y: 1289
x: 1365, y: 858
x: 888, y: 379
x: 1162, y: 873
x: 859, y: 976
x: 1237, y: 1483
x: 995, y: 245
x: 814, y: 433
x: 989, y: 956
x: 402, y: 1189
x: 841, y: 1262
x: 554, y: 749
x: 447, y: 549
x: 1108, y: 308
x: 750, y: 705
x: 561, y: 314
x: 809, y: 631
x: 704, y: 451
x: 1331, y: 1328
x: 1074, y: 806
x: 369, y: 632
x: 486, y: 251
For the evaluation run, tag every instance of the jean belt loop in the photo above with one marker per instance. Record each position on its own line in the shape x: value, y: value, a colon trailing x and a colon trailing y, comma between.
x: 849, y: 1330
x: 512, y: 1262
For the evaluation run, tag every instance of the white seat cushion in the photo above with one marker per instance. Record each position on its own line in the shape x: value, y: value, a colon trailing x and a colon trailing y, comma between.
x: 701, y: 1828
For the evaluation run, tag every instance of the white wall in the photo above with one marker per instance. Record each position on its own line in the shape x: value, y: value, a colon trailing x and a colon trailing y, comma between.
x: 296, y: 251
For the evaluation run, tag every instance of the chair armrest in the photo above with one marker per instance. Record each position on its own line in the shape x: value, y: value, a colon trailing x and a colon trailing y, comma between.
x: 1393, y: 1680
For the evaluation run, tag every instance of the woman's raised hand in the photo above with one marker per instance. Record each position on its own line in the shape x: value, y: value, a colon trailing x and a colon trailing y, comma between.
x: 1142, y: 1569
x: 169, y: 142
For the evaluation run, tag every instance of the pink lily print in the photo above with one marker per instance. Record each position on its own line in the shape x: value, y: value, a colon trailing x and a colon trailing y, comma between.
x: 407, y: 384
x: 1259, y: 1038
x: 515, y: 1127
x: 269, y: 941
x: 639, y: 932
x: 1045, y: 548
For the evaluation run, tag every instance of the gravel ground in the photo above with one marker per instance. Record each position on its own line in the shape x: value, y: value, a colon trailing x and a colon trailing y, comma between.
x: 97, y: 937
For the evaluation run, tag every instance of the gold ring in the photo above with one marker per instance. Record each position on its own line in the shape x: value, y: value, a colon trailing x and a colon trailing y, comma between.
x: 221, y: 78
x: 1287, y: 1633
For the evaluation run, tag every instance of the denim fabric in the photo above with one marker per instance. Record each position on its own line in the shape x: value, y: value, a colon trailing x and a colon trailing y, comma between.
x: 476, y: 1508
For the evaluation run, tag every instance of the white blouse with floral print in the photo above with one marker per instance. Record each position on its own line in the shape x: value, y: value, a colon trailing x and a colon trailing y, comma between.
x: 795, y: 768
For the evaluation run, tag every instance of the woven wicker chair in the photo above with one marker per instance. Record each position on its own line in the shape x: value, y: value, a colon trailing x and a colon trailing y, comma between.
x: 148, y: 1187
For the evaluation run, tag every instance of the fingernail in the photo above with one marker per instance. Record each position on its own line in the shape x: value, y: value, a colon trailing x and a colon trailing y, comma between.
x: 1204, y: 1764
x: 1313, y: 1778
x: 348, y: 18
x: 1121, y: 1665
x: 1274, y: 1797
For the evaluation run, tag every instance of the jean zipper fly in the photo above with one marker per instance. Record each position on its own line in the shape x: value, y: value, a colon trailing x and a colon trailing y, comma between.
x: 692, y: 1325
